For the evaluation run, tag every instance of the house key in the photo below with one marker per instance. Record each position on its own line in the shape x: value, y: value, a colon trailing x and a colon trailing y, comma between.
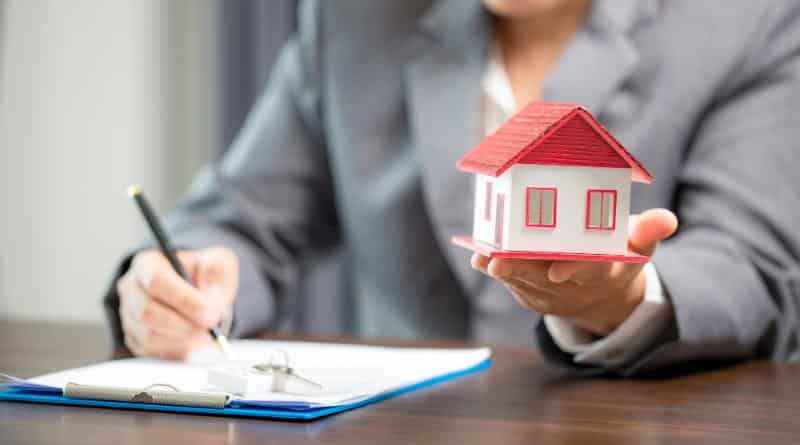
x: 281, y: 372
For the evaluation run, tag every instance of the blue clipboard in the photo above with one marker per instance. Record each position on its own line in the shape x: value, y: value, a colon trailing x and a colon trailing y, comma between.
x: 233, y: 410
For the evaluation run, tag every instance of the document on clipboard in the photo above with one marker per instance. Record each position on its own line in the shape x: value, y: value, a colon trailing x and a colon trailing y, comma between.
x: 311, y: 380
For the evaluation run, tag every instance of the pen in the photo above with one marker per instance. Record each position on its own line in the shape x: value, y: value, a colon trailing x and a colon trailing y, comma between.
x: 164, y: 243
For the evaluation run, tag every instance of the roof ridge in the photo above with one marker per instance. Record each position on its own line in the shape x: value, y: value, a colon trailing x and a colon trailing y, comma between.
x: 528, y: 129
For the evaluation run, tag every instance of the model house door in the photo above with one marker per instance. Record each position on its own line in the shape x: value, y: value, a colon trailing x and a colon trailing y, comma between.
x: 498, y: 220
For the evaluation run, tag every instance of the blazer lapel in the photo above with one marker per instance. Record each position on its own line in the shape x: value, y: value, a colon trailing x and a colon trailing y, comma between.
x: 444, y: 97
x: 600, y: 57
x: 444, y: 107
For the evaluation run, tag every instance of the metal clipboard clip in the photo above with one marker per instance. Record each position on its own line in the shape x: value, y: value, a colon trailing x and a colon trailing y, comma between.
x: 158, y: 394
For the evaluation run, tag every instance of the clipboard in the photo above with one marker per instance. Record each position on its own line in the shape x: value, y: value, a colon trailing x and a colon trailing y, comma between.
x: 291, y: 410
x: 277, y: 410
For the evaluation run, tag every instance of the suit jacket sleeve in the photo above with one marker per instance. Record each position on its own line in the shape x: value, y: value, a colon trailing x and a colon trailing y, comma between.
x: 270, y: 198
x: 732, y: 270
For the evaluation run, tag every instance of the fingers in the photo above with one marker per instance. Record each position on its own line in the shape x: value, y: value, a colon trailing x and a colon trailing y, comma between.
x: 153, y: 329
x: 138, y: 306
x: 155, y: 275
x: 217, y: 276
x: 566, y: 302
x: 217, y: 266
x: 528, y: 297
x: 579, y: 272
x: 542, y: 274
x: 650, y: 227
x: 533, y: 271
x: 598, y: 295
x: 164, y: 316
x: 479, y: 262
x: 557, y: 287
x: 144, y: 341
x: 646, y: 230
x: 153, y: 344
x: 561, y: 271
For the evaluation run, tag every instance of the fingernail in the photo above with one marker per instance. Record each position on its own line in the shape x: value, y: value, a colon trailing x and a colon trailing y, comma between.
x: 556, y: 278
x: 497, y: 270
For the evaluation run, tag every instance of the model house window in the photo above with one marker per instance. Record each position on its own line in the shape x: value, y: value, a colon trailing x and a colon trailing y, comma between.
x: 540, y: 206
x: 601, y: 209
x: 487, y: 202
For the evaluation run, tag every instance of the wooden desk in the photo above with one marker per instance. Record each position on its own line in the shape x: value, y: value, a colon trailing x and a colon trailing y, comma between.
x: 519, y: 400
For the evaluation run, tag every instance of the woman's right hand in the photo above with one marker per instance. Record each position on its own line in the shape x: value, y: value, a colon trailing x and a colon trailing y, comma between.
x: 165, y: 317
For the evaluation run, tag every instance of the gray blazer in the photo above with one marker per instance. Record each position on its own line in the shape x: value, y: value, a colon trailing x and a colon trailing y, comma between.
x: 340, y: 194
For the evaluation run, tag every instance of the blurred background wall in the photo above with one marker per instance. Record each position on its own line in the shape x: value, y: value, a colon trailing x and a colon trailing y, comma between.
x: 98, y: 94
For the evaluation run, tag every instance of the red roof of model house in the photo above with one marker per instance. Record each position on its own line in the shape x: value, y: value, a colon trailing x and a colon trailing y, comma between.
x: 551, y: 133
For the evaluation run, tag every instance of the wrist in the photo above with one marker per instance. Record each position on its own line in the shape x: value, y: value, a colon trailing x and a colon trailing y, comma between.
x: 604, y: 318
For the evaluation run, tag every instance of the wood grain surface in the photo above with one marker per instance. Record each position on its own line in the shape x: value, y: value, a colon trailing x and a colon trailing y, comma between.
x: 520, y: 400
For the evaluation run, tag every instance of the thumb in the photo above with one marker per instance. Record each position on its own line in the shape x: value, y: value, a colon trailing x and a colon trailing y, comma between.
x: 650, y: 227
x: 217, y: 274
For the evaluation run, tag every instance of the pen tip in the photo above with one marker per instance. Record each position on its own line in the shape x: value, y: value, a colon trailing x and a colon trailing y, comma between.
x: 224, y: 346
x: 134, y: 190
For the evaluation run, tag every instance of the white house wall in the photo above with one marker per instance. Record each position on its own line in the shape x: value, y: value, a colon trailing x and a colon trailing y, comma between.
x: 570, y: 233
x: 482, y: 229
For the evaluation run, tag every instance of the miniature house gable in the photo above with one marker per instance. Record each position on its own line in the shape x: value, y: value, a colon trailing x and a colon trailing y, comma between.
x: 552, y: 183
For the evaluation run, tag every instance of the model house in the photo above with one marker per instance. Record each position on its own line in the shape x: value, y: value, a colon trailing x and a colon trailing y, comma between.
x: 552, y: 183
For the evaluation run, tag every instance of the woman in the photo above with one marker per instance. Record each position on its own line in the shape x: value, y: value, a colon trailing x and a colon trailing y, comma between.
x: 352, y: 147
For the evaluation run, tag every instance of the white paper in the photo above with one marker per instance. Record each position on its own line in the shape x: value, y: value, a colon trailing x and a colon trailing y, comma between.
x: 347, y: 373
